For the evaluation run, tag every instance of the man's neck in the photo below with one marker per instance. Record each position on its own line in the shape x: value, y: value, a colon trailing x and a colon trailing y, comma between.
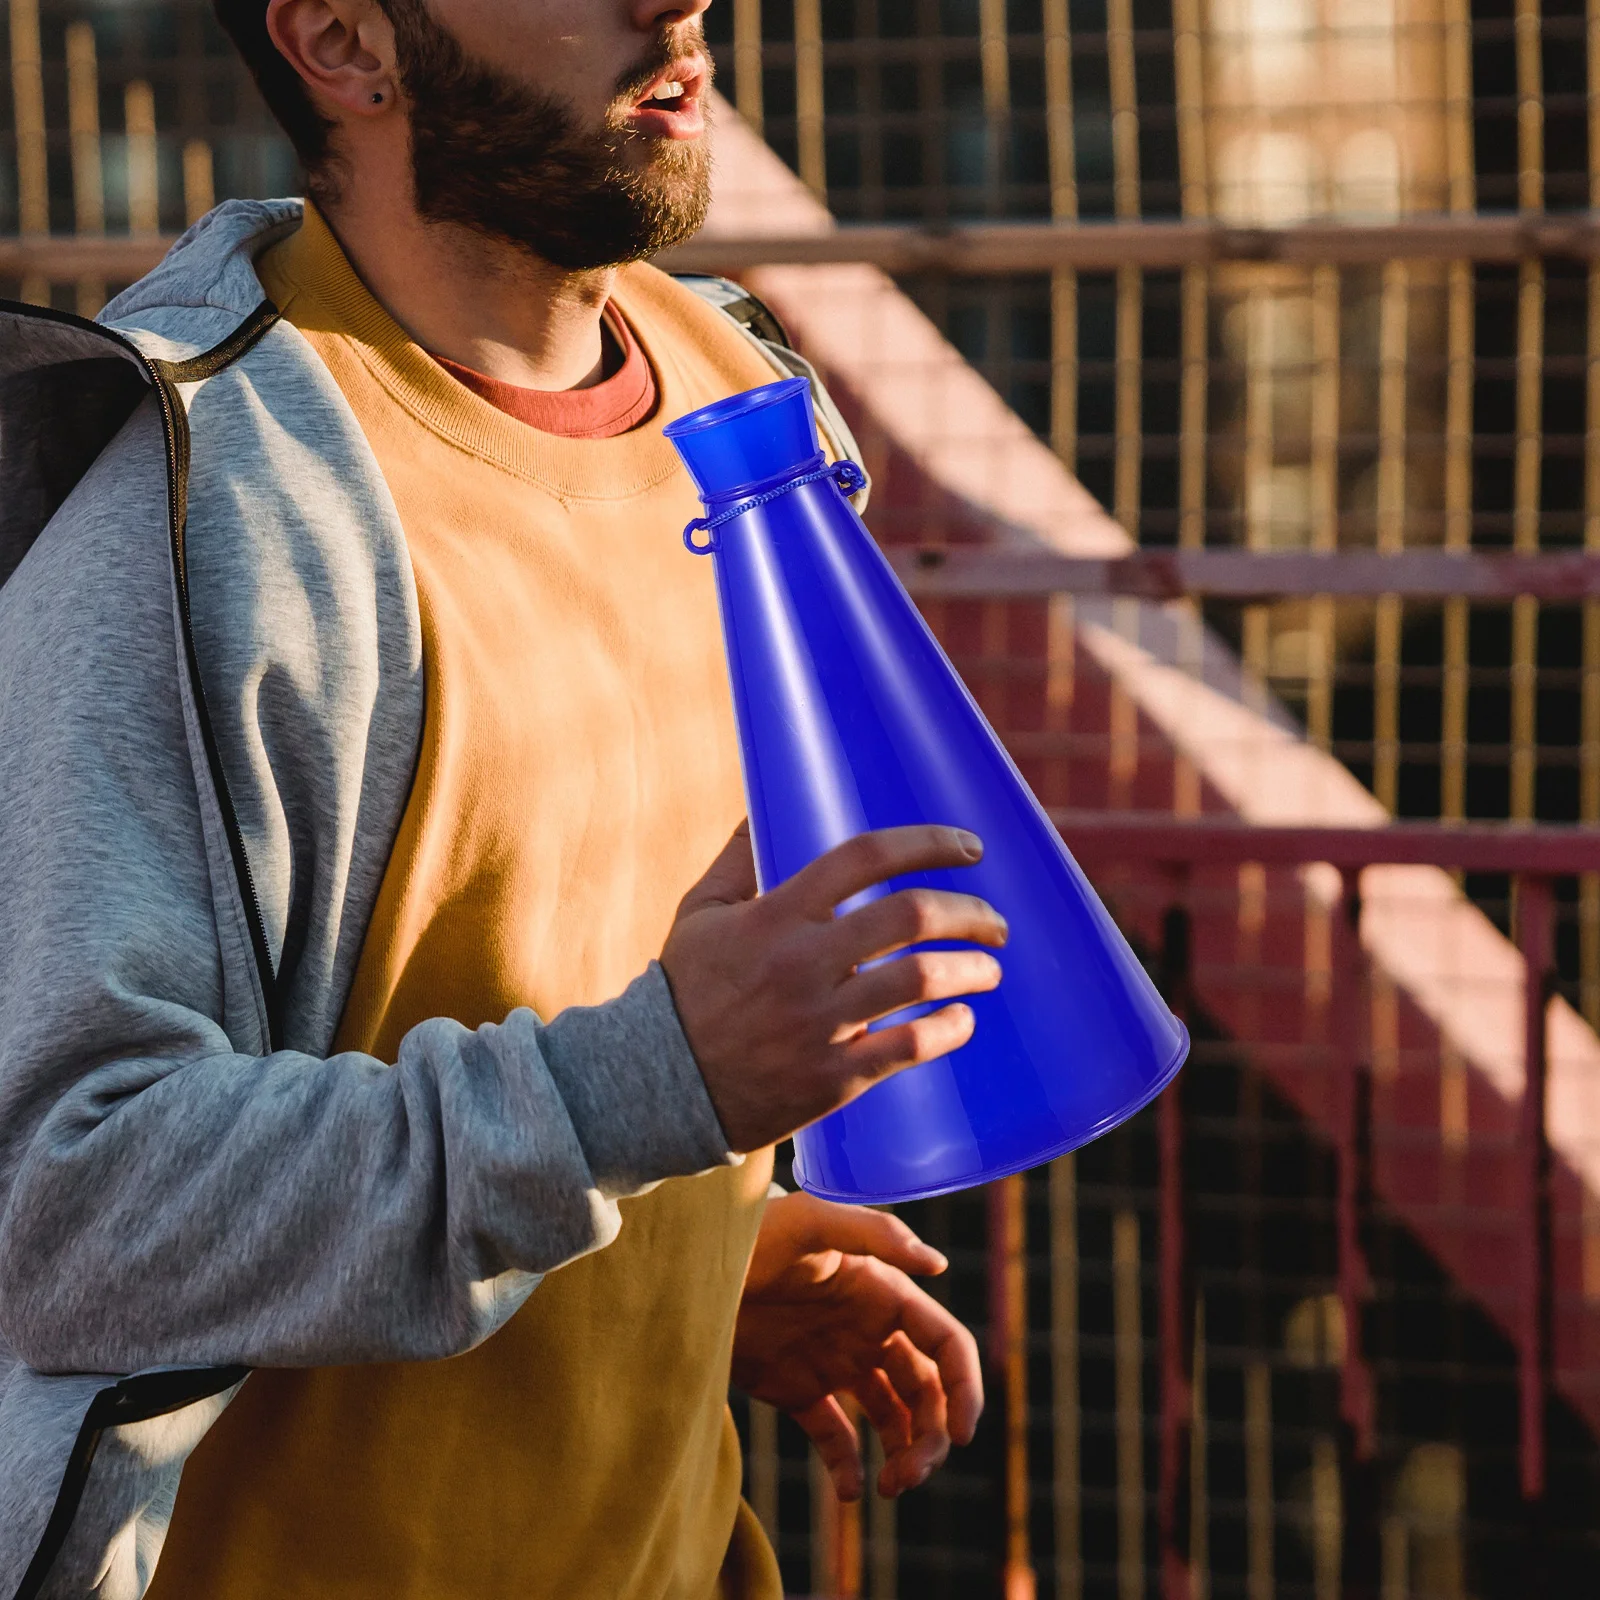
x: 480, y: 302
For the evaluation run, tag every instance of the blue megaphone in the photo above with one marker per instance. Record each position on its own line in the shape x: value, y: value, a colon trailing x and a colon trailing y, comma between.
x: 851, y: 718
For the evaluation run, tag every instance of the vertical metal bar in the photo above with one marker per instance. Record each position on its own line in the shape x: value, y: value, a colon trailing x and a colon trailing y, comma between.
x: 199, y: 182
x: 1392, y: 334
x: 1260, y: 363
x: 1355, y: 1382
x: 1062, y: 147
x: 1327, y: 1519
x: 1525, y: 533
x: 1589, y: 743
x: 27, y: 100
x: 1008, y: 1352
x: 1457, y: 407
x: 1058, y: 689
x: 1175, y: 1358
x: 824, y: 1526
x: 810, y: 148
x: 1129, y: 1338
x: 995, y: 65
x: 869, y: 101
x: 144, y: 183
x: 883, y: 1551
x: 1130, y: 282
x: 1535, y: 908
x: 1530, y: 377
x: 835, y: 1531
x: 764, y: 1466
x: 1193, y: 175
x: 1188, y: 64
x: 1325, y: 291
x: 747, y: 87
x: 1199, y: 1479
x: 1066, y: 1406
x: 1192, y: 401
x: 1457, y: 536
x: 1260, y: 1516
x: 83, y: 123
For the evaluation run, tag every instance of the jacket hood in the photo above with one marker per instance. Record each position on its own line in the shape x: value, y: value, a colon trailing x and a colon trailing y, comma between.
x: 206, y: 284
x: 67, y: 386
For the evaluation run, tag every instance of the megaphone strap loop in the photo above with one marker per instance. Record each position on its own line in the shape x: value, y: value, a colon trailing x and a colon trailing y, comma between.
x: 846, y: 474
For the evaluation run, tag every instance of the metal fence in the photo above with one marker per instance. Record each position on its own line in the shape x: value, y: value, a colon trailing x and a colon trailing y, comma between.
x: 1306, y: 292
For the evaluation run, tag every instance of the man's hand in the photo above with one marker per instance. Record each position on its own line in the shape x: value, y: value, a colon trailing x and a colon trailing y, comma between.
x: 829, y: 1310
x: 771, y: 993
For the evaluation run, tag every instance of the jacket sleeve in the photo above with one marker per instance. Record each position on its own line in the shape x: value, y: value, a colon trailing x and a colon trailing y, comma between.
x: 166, y: 1199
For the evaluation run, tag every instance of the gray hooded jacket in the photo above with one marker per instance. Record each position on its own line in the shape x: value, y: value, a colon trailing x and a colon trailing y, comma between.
x: 211, y: 701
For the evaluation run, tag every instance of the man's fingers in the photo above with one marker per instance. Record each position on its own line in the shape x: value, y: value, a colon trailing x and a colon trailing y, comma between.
x: 915, y: 979
x: 871, y: 858
x: 886, y: 1411
x: 870, y: 1056
x: 834, y: 1435
x: 920, y: 1389
x: 936, y: 1333
x: 861, y: 1231
x: 914, y: 916
x: 729, y: 879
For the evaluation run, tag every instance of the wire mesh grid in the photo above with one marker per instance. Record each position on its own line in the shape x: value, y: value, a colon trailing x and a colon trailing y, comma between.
x: 1186, y: 1349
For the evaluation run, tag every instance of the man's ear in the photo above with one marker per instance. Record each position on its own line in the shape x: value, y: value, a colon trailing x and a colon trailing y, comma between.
x: 342, y: 49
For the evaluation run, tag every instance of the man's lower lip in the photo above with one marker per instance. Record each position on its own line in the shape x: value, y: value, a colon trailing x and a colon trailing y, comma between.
x: 686, y: 122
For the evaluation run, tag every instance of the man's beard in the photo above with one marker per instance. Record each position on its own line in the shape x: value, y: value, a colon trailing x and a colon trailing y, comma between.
x: 493, y: 154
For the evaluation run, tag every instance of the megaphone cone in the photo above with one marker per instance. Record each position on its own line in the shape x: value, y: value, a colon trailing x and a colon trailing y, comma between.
x: 851, y: 718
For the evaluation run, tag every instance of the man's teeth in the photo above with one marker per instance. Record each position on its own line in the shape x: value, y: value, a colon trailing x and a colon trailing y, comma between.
x: 668, y: 91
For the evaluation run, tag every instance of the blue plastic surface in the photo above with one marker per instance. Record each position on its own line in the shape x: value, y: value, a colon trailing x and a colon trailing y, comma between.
x: 851, y: 718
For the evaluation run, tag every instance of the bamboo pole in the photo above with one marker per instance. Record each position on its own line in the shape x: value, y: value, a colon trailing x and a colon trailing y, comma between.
x: 1458, y: 409
x: 810, y: 147
x: 1128, y: 444
x: 1066, y: 1406
x: 1589, y: 745
x: 747, y: 88
x: 88, y: 180
x: 883, y: 1550
x: 199, y: 182
x: 1260, y: 1517
x: 1127, y: 1323
x: 1062, y: 149
x: 835, y: 1533
x: 1199, y: 1482
x: 1008, y: 1324
x: 144, y: 181
x: 1327, y: 1518
x: 1392, y: 337
x: 995, y: 65
x: 1530, y: 376
x: 1325, y: 381
x: 1195, y: 324
x: 27, y: 99
x: 1260, y: 365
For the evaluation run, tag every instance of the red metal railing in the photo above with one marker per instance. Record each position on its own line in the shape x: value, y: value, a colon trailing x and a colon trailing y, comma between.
x: 1532, y: 856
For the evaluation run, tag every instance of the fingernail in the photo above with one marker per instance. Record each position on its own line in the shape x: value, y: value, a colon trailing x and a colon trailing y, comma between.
x: 938, y: 1259
x: 970, y: 843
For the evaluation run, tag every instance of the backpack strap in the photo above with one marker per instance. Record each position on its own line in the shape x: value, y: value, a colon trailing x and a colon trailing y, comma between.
x: 761, y: 327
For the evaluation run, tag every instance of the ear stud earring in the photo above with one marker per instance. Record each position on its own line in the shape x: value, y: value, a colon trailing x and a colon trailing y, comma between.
x: 377, y: 99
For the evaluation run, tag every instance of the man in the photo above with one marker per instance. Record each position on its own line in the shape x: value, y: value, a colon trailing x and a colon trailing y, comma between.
x: 364, y: 739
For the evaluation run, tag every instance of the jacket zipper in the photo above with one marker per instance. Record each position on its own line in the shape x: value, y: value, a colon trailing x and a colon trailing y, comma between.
x: 156, y: 1394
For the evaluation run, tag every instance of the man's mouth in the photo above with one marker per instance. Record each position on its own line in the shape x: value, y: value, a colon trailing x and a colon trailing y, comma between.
x: 671, y: 105
x: 662, y: 99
